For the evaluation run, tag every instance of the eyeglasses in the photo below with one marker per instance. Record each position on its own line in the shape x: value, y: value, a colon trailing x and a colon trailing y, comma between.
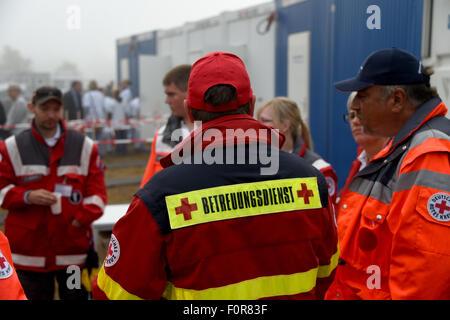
x: 350, y: 116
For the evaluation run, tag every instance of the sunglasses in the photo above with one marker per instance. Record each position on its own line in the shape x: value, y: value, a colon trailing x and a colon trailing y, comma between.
x: 350, y: 116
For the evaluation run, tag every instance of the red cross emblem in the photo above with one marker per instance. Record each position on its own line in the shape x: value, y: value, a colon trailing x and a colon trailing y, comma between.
x: 110, y: 250
x: 5, y: 268
x: 185, y: 209
x: 442, y: 207
x: 2, y: 263
x: 305, y: 193
x: 438, y: 206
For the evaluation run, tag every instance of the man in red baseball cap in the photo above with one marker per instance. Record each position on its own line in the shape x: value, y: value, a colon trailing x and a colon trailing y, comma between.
x: 213, y: 224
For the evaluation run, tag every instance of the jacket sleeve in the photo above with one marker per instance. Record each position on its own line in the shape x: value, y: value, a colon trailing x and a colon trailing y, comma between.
x: 332, y: 180
x: 10, y: 286
x: 134, y: 267
x: 327, y: 251
x: 11, y: 193
x: 420, y: 254
x: 95, y: 196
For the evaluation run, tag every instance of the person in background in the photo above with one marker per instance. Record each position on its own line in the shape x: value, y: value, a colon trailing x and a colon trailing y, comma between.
x: 52, y: 184
x: 117, y: 114
x: 283, y: 114
x: 396, y: 241
x: 175, y: 84
x: 202, y: 231
x: 18, y: 113
x: 108, y: 132
x: 368, y: 146
x: 73, y: 108
x: 94, y: 111
x: 126, y: 95
x: 3, y: 132
x: 134, y: 113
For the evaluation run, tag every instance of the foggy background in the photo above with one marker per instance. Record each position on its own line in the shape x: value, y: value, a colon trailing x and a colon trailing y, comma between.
x: 78, y: 37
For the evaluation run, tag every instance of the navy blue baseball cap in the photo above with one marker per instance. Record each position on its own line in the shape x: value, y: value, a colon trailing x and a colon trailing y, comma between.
x: 386, y: 67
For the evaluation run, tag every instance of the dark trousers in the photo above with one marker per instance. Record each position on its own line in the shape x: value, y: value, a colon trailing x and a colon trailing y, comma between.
x: 41, y: 285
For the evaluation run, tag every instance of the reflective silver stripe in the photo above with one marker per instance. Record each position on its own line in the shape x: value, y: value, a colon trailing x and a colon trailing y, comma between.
x: 28, y: 261
x: 373, y: 189
x: 423, y: 178
x: 16, y: 161
x: 424, y: 135
x: 86, y: 156
x: 62, y: 170
x: 320, y: 164
x: 95, y: 200
x: 67, y: 260
x: 83, y: 168
x: 4, y: 191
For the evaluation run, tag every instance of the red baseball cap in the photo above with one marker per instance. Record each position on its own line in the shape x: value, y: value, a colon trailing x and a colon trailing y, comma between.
x: 218, y: 68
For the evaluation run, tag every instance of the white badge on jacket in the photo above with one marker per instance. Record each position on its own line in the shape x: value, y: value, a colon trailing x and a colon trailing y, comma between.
x: 64, y: 189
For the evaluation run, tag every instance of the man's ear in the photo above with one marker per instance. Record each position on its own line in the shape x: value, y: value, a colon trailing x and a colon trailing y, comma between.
x: 30, y: 107
x: 252, y: 105
x: 399, y: 100
x: 188, y: 110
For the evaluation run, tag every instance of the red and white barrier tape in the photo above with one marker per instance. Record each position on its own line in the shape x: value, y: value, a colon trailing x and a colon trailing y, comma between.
x: 81, y: 125
x: 123, y: 141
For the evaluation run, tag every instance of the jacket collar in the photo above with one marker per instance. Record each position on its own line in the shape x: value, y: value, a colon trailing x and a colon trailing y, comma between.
x: 430, y: 109
x: 37, y: 135
x: 195, y: 143
x: 299, y: 146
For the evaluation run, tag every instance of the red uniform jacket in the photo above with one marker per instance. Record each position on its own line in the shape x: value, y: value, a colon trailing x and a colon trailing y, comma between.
x: 41, y: 240
x: 224, y: 231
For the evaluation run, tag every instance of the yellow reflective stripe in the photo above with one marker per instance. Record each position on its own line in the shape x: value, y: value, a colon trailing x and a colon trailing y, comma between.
x: 262, y: 287
x: 112, y: 289
x: 326, y: 270
x: 242, y: 200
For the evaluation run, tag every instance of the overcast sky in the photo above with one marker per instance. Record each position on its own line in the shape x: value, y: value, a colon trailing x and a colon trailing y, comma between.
x: 48, y: 31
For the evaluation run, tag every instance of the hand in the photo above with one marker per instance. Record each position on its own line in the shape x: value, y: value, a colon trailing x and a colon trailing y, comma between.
x: 41, y: 197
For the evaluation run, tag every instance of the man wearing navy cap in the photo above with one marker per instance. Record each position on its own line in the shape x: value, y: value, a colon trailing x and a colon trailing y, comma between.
x: 223, y: 230
x: 395, y: 215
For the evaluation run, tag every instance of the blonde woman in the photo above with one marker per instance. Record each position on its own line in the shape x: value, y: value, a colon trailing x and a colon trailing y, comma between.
x: 283, y: 114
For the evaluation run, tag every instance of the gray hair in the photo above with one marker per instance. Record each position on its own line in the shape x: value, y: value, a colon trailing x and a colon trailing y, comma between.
x: 350, y: 99
x: 418, y: 94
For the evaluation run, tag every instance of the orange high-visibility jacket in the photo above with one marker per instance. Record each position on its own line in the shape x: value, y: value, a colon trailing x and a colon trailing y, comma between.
x: 159, y: 151
x: 10, y: 287
x: 394, y: 219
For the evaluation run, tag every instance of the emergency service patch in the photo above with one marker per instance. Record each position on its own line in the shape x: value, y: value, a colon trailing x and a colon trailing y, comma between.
x: 242, y: 200
x: 75, y: 197
x: 5, y: 268
x: 113, y: 253
x: 331, y: 186
x: 439, y: 206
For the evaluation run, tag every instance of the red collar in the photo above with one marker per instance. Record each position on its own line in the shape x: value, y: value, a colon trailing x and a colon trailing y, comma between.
x: 239, y: 123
